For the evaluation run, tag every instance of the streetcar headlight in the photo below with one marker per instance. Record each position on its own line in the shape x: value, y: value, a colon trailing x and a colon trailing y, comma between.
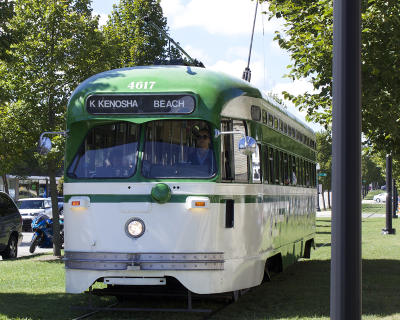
x: 135, y: 228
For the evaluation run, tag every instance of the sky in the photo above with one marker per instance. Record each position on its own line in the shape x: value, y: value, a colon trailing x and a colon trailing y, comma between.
x: 218, y: 33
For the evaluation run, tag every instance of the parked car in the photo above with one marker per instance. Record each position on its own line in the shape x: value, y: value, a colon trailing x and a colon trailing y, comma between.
x: 61, y: 206
x: 380, y: 197
x: 10, y: 227
x: 32, y: 207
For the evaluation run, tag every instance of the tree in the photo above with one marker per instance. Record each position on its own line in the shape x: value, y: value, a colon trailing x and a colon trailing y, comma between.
x: 308, y: 35
x: 6, y: 36
x: 129, y: 39
x: 324, y: 159
x: 371, y: 169
x: 59, y: 46
x: 11, y: 149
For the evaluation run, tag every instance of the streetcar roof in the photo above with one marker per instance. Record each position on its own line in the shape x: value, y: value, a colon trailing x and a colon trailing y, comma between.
x: 214, y: 90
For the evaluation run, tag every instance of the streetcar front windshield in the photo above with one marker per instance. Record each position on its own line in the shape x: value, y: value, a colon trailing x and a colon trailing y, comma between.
x: 108, y: 151
x: 178, y: 149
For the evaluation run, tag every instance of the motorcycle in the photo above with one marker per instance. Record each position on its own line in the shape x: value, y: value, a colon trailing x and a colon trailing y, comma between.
x: 42, y: 226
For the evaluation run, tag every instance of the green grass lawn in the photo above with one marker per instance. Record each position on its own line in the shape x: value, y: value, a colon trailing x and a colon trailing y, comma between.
x: 33, y: 288
x: 373, y: 208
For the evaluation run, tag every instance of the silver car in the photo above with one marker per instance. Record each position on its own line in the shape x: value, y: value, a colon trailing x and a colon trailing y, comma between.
x: 380, y: 197
x: 30, y: 208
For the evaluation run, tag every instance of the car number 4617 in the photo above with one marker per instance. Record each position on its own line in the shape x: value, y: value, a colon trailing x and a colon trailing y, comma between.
x: 139, y: 85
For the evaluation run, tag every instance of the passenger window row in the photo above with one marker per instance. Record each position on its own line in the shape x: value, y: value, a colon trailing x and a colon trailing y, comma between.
x: 282, y: 168
x: 280, y: 125
x: 266, y: 165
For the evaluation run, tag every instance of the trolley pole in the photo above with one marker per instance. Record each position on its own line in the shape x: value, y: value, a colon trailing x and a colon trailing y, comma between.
x: 345, y: 295
x: 389, y: 229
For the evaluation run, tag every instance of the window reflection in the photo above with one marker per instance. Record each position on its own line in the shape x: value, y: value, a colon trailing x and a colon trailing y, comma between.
x: 178, y: 149
x: 109, y: 151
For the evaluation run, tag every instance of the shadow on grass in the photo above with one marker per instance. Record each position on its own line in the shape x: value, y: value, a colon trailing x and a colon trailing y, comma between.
x: 31, y: 257
x: 319, y: 245
x: 40, y: 306
x: 326, y: 221
x: 301, y: 291
x: 64, y: 306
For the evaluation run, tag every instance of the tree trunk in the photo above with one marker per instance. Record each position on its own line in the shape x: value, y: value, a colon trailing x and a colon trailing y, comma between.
x: 5, y: 183
x: 323, y: 199
x: 56, y: 216
x: 329, y: 199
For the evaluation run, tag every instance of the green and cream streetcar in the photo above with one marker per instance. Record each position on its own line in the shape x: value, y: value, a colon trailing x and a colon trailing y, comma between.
x: 185, y: 173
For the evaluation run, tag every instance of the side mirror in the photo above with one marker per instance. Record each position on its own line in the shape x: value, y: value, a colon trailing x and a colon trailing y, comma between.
x: 44, y: 145
x: 195, y: 130
x: 247, y: 146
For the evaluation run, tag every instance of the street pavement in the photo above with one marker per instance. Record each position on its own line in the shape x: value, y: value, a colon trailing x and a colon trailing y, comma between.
x: 328, y: 213
x: 23, y: 249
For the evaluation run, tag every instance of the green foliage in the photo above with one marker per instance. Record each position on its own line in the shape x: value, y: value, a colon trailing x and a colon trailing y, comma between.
x: 57, y: 50
x: 371, y: 171
x: 60, y: 185
x: 308, y: 35
x: 14, y: 128
x: 6, y: 36
x: 129, y: 39
x: 324, y: 157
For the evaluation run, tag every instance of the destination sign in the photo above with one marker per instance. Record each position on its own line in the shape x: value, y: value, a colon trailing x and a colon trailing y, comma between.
x: 140, y: 104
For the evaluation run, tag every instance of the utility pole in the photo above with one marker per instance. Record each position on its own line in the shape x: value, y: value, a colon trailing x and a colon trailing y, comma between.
x: 395, y: 200
x: 389, y: 229
x: 346, y: 166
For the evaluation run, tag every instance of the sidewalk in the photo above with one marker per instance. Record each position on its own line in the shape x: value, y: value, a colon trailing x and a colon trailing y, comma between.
x: 327, y: 214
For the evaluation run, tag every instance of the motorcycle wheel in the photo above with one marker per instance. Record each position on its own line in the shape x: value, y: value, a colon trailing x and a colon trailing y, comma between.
x: 34, y: 243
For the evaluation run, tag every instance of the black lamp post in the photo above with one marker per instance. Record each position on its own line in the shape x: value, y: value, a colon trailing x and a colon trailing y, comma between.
x: 318, y: 207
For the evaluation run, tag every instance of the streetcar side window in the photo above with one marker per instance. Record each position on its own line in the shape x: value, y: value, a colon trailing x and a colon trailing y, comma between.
x: 241, y: 166
x: 314, y: 178
x: 266, y: 165
x: 281, y: 168
x: 270, y: 120
x: 108, y: 151
x: 234, y: 165
x: 178, y: 149
x: 285, y: 169
x: 226, y: 151
x: 265, y: 117
x: 256, y: 165
x: 294, y: 172
x: 302, y: 173
x: 277, y: 165
x: 271, y: 166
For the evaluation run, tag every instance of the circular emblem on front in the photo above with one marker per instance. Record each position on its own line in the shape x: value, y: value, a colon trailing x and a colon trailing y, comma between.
x: 161, y: 193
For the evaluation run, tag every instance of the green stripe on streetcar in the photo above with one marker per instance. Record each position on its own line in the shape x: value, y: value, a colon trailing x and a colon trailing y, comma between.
x: 112, y: 198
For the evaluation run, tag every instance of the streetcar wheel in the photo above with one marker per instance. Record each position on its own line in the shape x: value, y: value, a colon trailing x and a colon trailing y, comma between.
x: 11, y: 249
x: 120, y: 298
x: 34, y: 243
x: 235, y: 295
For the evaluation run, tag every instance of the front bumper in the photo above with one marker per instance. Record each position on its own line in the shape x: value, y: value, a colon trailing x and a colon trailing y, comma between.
x: 144, y: 261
